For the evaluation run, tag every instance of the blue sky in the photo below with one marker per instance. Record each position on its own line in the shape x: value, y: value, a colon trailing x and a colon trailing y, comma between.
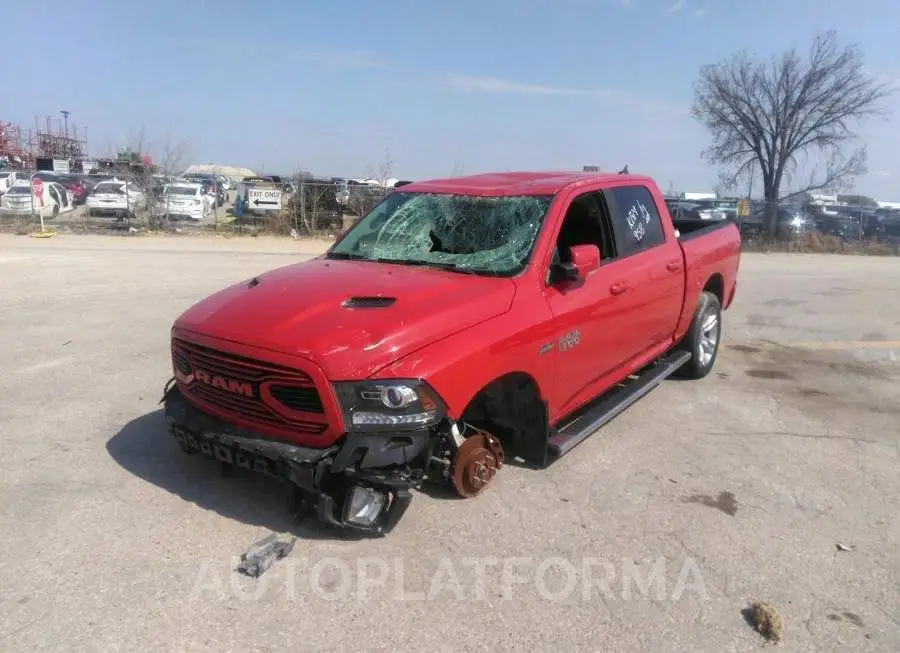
x: 437, y: 87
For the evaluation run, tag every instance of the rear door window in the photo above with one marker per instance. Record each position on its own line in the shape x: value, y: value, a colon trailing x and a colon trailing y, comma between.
x: 636, y: 221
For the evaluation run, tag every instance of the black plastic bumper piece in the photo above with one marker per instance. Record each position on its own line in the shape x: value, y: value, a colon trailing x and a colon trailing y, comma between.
x: 323, y: 475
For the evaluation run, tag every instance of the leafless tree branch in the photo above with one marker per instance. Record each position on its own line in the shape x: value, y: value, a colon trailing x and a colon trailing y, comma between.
x: 777, y: 115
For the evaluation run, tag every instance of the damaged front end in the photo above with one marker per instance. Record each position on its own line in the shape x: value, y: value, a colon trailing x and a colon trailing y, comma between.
x: 364, y: 481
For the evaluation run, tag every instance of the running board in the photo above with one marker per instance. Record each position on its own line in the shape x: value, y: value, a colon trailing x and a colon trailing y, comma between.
x: 608, y: 406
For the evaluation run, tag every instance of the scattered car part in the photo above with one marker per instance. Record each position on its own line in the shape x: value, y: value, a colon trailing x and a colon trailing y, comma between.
x: 263, y: 554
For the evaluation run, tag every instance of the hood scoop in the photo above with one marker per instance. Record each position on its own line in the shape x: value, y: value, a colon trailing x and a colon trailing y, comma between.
x: 369, y: 302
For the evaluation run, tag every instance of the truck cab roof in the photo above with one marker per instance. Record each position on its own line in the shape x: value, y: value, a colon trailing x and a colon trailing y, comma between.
x: 519, y: 183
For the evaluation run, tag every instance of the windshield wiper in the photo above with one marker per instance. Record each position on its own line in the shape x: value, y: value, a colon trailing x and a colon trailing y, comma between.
x: 452, y: 267
x: 348, y: 256
x: 440, y: 265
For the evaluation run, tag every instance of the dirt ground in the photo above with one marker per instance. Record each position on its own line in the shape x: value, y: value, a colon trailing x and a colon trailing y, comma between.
x: 737, y: 488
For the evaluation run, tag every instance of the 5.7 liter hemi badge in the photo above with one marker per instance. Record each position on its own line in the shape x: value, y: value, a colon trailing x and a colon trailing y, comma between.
x: 570, y: 339
x: 220, y: 382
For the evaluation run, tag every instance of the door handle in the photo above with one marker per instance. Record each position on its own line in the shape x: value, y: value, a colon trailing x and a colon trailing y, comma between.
x: 673, y: 266
x: 618, y: 288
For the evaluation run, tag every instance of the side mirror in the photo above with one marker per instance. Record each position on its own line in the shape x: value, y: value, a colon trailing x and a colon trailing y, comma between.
x: 585, y: 259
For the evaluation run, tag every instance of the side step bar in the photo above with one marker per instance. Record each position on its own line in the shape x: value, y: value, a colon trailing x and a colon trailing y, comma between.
x: 602, y: 411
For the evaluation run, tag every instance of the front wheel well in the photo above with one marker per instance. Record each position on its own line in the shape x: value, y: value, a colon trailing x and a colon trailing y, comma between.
x: 511, y: 408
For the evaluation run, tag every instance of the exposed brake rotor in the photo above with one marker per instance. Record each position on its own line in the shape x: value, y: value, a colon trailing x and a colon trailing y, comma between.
x: 478, y: 458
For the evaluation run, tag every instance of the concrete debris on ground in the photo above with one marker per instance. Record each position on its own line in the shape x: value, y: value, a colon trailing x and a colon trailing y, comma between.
x: 767, y: 621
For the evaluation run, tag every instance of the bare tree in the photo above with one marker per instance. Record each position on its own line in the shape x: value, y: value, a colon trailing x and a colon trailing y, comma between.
x: 169, y: 154
x: 314, y: 207
x: 173, y: 154
x: 383, y: 171
x: 774, y: 116
x: 364, y: 197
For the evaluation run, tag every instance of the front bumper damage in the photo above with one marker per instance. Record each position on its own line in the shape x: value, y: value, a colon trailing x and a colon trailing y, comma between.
x: 362, y: 483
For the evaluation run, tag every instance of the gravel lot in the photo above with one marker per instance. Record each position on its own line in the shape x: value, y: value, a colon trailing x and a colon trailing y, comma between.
x: 740, y: 486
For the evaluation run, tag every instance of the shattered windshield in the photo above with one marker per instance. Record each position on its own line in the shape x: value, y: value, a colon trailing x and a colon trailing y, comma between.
x: 486, y: 235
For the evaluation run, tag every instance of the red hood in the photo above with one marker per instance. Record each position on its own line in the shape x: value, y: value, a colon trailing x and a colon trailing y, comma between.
x: 298, y: 310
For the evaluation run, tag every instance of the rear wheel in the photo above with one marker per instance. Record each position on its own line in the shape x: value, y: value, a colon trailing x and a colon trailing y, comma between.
x: 703, y: 337
x: 55, y: 211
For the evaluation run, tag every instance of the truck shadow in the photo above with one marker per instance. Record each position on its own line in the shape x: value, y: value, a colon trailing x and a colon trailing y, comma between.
x: 145, y: 448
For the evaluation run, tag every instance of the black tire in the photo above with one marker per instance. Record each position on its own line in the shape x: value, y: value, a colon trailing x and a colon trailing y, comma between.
x: 702, y: 336
x: 55, y: 212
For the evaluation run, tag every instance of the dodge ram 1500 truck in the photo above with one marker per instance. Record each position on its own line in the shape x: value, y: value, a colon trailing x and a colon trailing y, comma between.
x: 459, y: 324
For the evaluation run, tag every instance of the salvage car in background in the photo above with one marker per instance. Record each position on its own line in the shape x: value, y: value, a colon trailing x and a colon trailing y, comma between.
x: 117, y: 198
x: 18, y: 200
x: 792, y: 221
x: 10, y: 177
x: 211, y: 186
x: 184, y: 199
x: 75, y: 184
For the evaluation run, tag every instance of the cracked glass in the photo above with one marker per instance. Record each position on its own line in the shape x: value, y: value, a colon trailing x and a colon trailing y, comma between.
x: 464, y: 233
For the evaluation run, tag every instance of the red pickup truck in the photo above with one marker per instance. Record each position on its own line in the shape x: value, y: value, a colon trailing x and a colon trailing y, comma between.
x: 460, y: 324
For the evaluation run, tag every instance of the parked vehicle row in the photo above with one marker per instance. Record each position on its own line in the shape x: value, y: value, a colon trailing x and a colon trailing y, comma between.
x: 848, y: 223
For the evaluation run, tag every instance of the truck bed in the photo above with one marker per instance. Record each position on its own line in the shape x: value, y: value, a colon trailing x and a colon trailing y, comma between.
x: 689, y: 228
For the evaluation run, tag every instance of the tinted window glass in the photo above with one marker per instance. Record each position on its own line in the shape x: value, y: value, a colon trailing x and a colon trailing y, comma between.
x: 637, y: 225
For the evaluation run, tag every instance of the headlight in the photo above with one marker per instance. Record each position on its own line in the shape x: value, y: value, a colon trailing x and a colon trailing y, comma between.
x: 364, y: 505
x: 398, y: 403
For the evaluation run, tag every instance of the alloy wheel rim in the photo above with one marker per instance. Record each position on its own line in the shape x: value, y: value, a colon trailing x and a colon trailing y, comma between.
x: 709, y: 337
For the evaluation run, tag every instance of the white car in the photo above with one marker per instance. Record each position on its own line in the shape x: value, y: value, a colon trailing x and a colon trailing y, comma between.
x: 185, y: 199
x: 119, y: 198
x: 225, y: 182
x: 10, y: 177
x: 20, y: 201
